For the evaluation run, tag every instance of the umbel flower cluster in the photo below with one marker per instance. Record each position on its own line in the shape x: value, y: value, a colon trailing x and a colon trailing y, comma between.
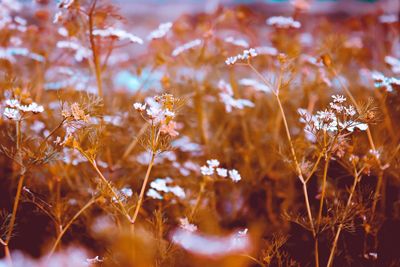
x: 338, y: 117
x: 15, y: 110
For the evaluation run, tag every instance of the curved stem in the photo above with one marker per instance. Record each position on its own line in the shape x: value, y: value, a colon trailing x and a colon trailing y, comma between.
x: 95, y: 51
x: 339, y: 230
x: 59, y: 237
x: 199, y: 196
x: 143, y: 189
x: 15, y: 208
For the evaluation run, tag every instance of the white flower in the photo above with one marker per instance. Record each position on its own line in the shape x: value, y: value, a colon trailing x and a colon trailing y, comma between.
x: 244, y: 56
x: 206, y: 170
x: 350, y: 111
x: 127, y: 191
x: 139, y: 106
x: 283, y: 22
x: 389, y: 18
x: 213, y: 163
x: 153, y: 194
x: 12, y: 103
x: 180, y: 49
x: 117, y: 33
x: 234, y: 175
x: 351, y: 125
x: 12, y: 114
x: 238, y: 42
x: 161, y: 185
x: 184, y: 224
x: 169, y: 113
x: 33, y: 107
x: 154, y: 113
x: 65, y: 3
x: 222, y: 172
x: 394, y: 63
x: 338, y: 98
x: 161, y: 31
x: 256, y: 85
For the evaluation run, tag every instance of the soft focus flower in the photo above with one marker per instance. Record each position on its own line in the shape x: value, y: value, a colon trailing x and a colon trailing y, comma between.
x: 189, y: 45
x: 207, y: 170
x: 187, y: 226
x: 234, y: 175
x: 161, y: 31
x: 117, y: 33
x: 12, y: 114
x: 139, y: 106
x: 247, y: 54
x: 283, y: 22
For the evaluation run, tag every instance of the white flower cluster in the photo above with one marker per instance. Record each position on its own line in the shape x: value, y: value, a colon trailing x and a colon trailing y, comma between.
x: 247, y: 54
x: 283, y: 22
x: 337, y: 117
x: 81, y: 52
x: 161, y: 31
x: 65, y: 3
x: 117, y: 33
x: 180, y: 49
x: 388, y: 18
x: 160, y: 114
x: 394, y: 63
x: 256, y: 85
x: 266, y: 50
x: 9, y: 53
x: 237, y: 42
x: 163, y: 185
x: 212, y: 167
x: 14, y: 109
x: 388, y: 83
x: 186, y: 225
x: 226, y: 96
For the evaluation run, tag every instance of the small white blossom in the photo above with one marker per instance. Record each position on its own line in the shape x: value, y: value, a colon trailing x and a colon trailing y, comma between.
x: 389, y: 18
x: 184, y: 224
x: 222, y: 172
x: 139, y: 106
x: 12, y: 103
x: 206, y: 170
x: 283, y: 22
x: 213, y: 163
x: 153, y: 194
x: 169, y: 113
x: 161, y: 31
x: 234, y: 175
x: 247, y: 54
x: 180, y: 49
x: 339, y: 98
x: 117, y: 33
x: 256, y: 85
x: 237, y: 42
x: 12, y: 114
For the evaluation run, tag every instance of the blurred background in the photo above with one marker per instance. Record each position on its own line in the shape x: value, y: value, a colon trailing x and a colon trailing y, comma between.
x: 172, y: 8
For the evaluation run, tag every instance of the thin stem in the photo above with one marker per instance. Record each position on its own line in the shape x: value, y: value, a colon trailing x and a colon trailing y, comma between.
x: 143, y: 189
x: 323, y: 192
x: 15, y: 208
x: 96, y: 62
x: 115, y: 195
x: 334, y: 244
x: 198, y: 200
x: 296, y: 162
x: 59, y: 237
